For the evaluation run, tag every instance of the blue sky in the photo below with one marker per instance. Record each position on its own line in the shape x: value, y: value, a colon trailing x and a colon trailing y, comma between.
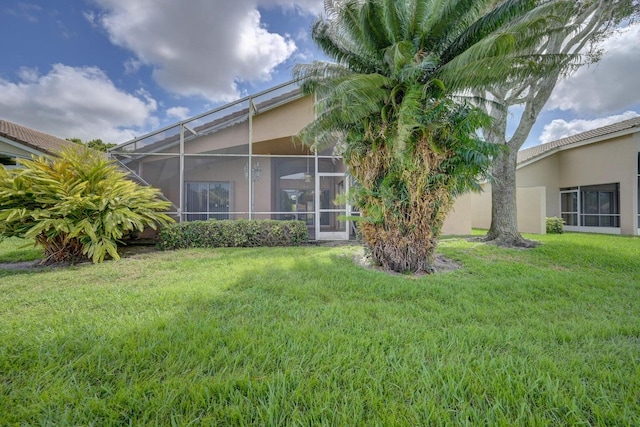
x: 116, y: 69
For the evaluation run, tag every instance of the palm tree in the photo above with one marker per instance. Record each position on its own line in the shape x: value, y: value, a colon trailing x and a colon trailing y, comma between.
x: 394, y: 98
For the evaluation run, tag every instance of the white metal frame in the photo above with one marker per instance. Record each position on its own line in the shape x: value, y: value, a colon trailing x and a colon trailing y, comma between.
x: 583, y: 228
x: 331, y: 235
x: 183, y: 132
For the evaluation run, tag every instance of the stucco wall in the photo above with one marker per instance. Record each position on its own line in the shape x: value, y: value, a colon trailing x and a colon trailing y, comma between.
x: 481, y: 208
x: 543, y: 173
x: 234, y: 137
x: 458, y: 222
x: 539, y: 183
x: 611, y: 161
x: 531, y: 206
x: 286, y: 120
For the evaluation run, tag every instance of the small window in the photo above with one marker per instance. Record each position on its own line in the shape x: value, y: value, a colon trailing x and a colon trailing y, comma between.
x: 7, y: 161
x: 600, y: 205
x: 591, y: 206
x: 569, y: 207
x: 207, y: 200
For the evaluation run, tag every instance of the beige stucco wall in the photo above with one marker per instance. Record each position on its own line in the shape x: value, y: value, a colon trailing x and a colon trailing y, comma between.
x: 234, y: 136
x: 530, y: 203
x: 279, y: 125
x: 611, y: 161
x: 285, y: 120
x: 481, y: 208
x: 458, y: 222
x: 543, y: 173
x: 539, y: 183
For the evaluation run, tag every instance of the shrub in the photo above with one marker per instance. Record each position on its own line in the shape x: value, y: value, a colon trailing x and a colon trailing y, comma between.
x: 233, y: 233
x: 77, y: 206
x: 555, y: 225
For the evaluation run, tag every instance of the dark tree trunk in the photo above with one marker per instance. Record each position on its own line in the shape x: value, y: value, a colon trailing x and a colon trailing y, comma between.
x: 504, y: 215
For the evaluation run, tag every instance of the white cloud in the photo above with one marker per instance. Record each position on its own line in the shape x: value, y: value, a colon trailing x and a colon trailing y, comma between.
x: 202, y: 47
x: 559, y: 128
x: 179, y: 113
x: 131, y: 66
x: 79, y: 102
x: 608, y: 86
x: 28, y: 75
x: 314, y: 7
x: 28, y: 11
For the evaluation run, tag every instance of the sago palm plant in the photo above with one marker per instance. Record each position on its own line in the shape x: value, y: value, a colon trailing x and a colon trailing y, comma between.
x: 77, y: 206
x: 394, y: 98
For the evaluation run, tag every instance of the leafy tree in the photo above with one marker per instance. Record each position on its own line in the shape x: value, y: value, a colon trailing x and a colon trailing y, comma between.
x: 96, y: 144
x: 389, y: 99
x: 77, y: 206
x: 586, y: 23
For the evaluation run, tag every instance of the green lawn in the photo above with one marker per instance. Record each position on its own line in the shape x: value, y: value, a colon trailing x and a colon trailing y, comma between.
x: 302, y: 336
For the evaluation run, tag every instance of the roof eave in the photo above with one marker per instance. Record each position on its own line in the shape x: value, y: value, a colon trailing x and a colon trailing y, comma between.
x: 623, y: 132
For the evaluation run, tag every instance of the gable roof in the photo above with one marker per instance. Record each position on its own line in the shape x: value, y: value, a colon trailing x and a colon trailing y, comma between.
x: 595, y: 135
x: 33, y: 139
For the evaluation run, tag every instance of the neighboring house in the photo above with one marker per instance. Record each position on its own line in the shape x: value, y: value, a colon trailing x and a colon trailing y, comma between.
x: 242, y: 160
x: 20, y: 142
x: 591, y: 180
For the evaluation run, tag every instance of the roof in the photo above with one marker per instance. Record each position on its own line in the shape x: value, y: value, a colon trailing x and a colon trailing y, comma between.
x: 34, y: 139
x: 590, y: 136
x: 214, y: 120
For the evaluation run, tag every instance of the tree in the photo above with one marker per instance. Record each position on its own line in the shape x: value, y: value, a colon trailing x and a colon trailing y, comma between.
x: 410, y: 143
x: 96, y: 144
x: 588, y: 22
x: 77, y: 206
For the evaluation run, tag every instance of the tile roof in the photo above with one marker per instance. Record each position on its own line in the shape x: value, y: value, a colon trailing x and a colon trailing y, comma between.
x: 539, y: 150
x: 34, y: 139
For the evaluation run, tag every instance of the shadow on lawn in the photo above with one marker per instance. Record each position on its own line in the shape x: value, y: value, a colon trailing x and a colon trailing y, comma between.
x: 230, y: 354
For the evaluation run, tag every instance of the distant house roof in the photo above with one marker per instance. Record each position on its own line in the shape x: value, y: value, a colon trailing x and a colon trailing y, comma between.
x: 33, y: 139
x: 588, y: 137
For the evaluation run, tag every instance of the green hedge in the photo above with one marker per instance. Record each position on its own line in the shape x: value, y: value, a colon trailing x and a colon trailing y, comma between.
x: 555, y: 225
x: 233, y: 233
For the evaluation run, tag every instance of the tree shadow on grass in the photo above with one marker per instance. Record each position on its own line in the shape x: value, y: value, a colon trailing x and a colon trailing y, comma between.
x: 295, y: 334
x: 217, y: 354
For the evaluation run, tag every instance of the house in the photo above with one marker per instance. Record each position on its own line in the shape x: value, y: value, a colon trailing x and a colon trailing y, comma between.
x: 20, y: 142
x: 242, y: 160
x: 591, y: 180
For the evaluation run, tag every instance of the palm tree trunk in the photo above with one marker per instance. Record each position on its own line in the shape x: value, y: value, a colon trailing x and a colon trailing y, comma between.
x: 402, y: 234
x: 60, y: 249
x: 400, y: 246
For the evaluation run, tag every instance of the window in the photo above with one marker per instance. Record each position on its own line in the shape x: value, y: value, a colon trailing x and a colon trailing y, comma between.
x: 206, y: 200
x: 569, y: 205
x: 600, y: 206
x: 7, y: 160
x: 591, y: 206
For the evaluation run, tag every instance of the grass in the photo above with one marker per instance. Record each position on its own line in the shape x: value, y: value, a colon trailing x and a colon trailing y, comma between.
x: 302, y: 336
x: 15, y: 250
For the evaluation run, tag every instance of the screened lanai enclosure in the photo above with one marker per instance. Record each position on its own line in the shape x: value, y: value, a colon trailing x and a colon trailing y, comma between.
x: 242, y: 160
